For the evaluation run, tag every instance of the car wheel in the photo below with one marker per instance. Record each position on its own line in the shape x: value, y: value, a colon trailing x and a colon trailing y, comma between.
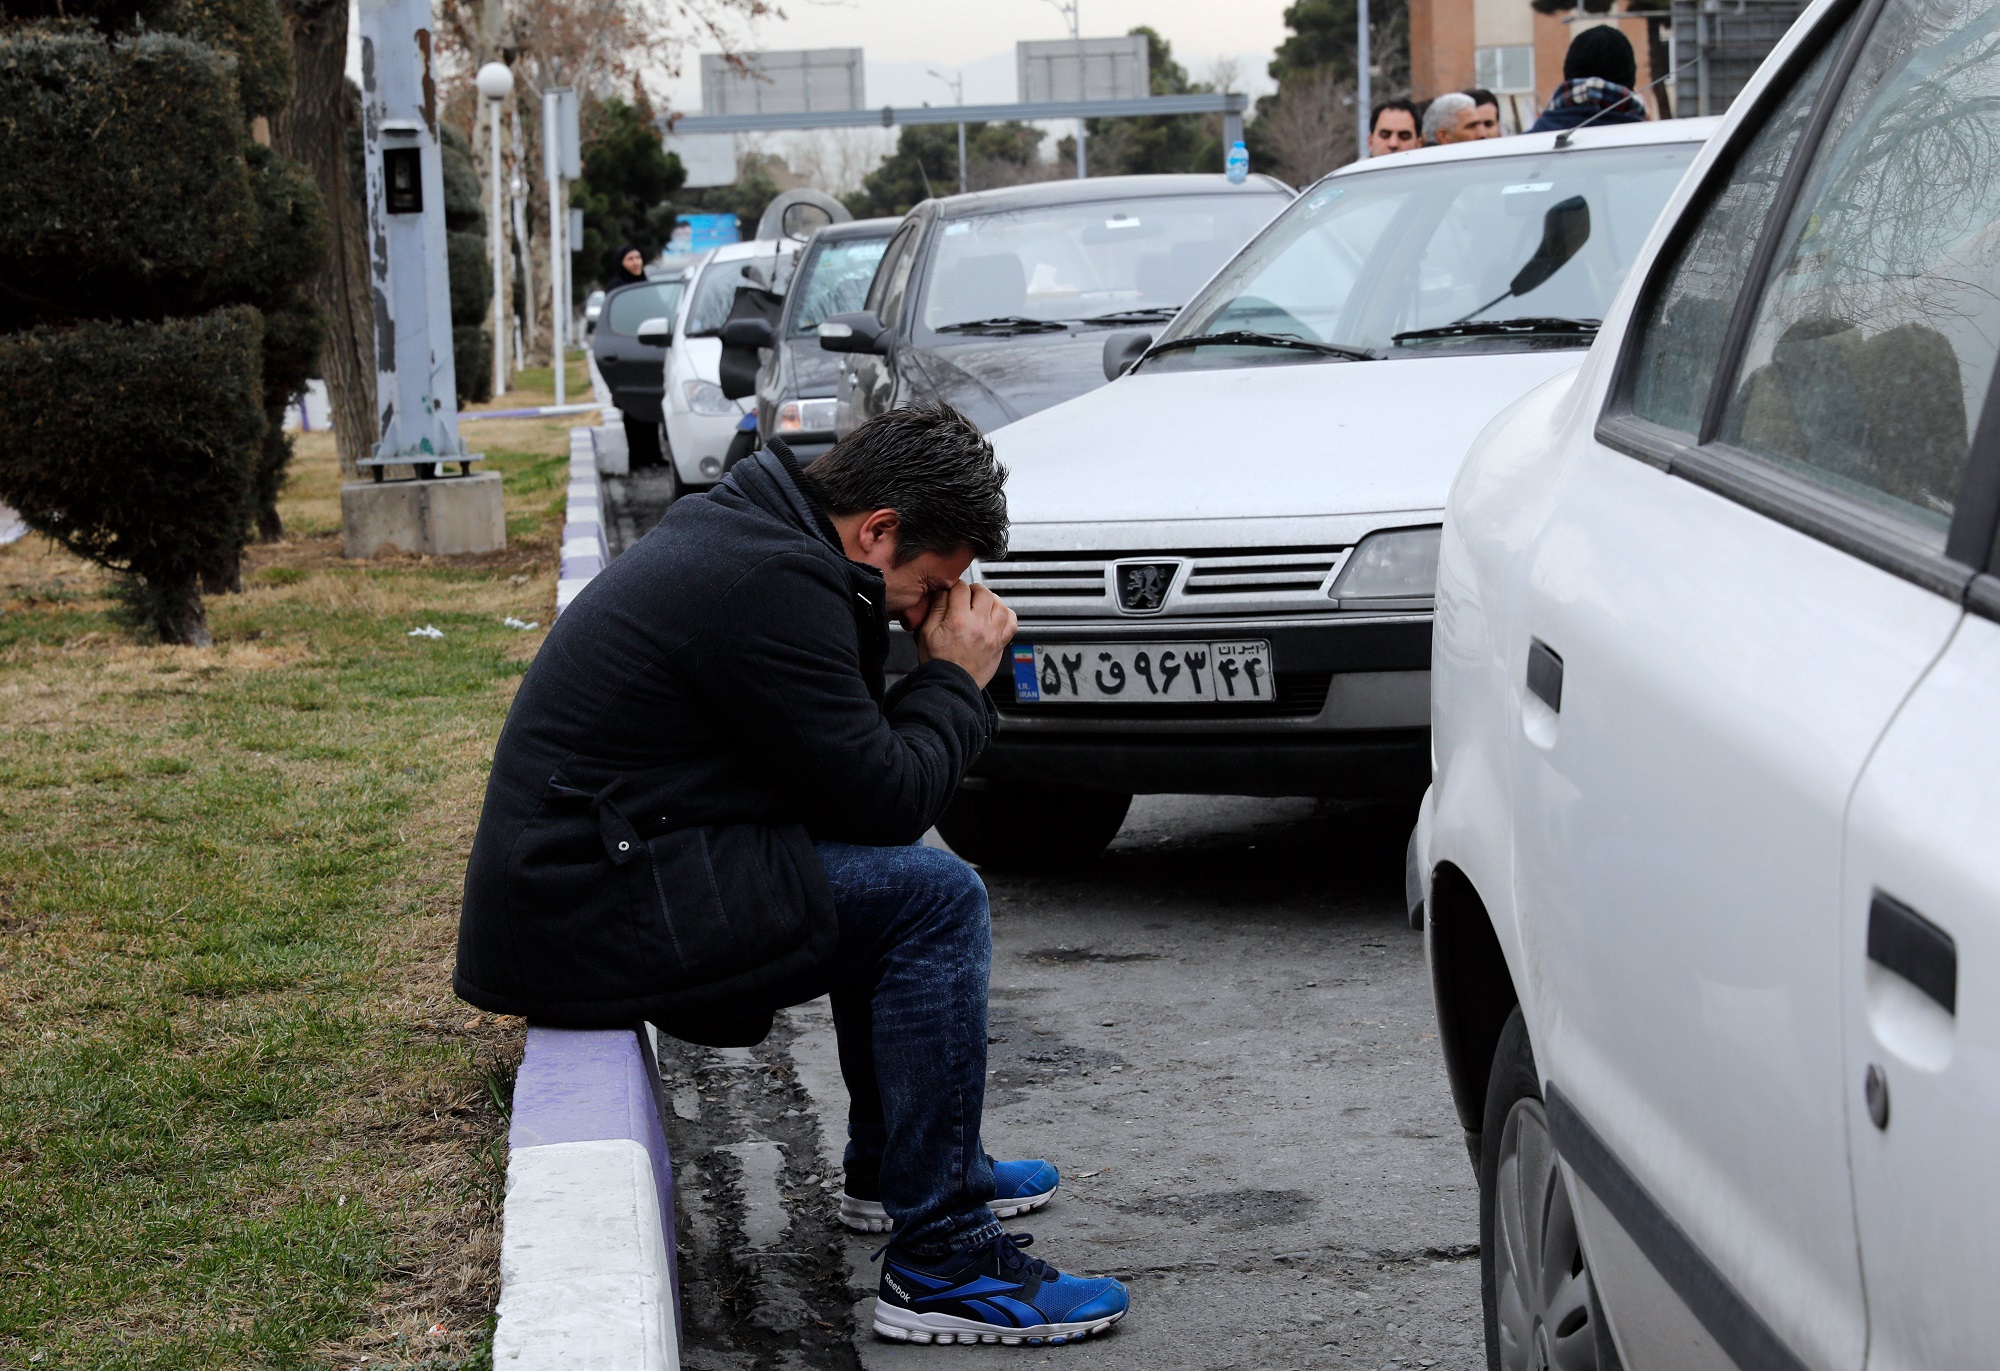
x: 1542, y: 1313
x: 642, y: 443
x: 1013, y: 827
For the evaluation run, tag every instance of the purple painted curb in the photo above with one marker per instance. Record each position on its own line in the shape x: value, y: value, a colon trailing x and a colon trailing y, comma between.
x: 594, y: 1085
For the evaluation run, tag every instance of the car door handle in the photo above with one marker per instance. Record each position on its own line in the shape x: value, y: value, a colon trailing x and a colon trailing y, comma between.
x: 1905, y: 942
x: 1545, y: 674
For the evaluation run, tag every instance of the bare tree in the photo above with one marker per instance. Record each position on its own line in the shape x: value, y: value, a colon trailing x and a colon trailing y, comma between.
x: 1310, y: 128
x: 313, y: 130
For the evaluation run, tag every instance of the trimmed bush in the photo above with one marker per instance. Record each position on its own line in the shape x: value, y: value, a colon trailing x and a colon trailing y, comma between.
x: 134, y: 444
x: 249, y: 30
x: 127, y: 190
x: 469, y: 270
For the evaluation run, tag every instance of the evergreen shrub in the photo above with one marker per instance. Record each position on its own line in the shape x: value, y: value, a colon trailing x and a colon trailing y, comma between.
x: 134, y: 444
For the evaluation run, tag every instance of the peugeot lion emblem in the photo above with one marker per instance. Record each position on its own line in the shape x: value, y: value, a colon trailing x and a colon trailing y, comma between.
x: 1143, y: 586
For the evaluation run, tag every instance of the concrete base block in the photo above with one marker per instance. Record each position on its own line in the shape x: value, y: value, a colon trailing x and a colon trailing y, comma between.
x: 442, y: 517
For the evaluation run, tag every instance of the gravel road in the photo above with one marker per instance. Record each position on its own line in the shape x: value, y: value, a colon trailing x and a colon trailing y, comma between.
x: 1222, y: 1035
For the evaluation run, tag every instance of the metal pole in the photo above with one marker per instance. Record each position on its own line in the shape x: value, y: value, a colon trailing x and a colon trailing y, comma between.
x: 961, y: 159
x: 558, y: 228
x: 493, y: 237
x: 1364, y: 86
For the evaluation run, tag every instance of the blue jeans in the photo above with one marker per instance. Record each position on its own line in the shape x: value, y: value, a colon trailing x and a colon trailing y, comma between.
x: 909, y: 1009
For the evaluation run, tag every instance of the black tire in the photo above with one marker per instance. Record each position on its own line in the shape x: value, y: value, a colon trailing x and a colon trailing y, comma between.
x: 1014, y: 827
x: 1540, y: 1304
x: 642, y: 443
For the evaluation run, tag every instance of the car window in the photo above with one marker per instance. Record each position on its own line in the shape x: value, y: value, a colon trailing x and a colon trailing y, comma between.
x: 894, y: 261
x: 715, y: 292
x: 1079, y: 261
x: 898, y: 284
x: 834, y: 280
x: 1683, y: 336
x: 634, y: 305
x: 1362, y: 260
x: 1870, y: 352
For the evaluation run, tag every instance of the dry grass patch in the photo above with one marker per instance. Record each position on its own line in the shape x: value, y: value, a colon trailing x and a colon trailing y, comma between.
x: 243, y: 1121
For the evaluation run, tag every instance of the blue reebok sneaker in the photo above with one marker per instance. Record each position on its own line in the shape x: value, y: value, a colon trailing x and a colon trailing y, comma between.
x: 994, y: 1292
x: 1018, y: 1188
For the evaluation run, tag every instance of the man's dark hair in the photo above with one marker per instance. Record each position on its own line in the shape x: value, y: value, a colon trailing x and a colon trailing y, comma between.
x: 932, y: 466
x: 1482, y: 96
x: 1408, y: 107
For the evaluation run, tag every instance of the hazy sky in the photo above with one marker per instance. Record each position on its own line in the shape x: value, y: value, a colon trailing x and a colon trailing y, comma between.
x: 901, y: 38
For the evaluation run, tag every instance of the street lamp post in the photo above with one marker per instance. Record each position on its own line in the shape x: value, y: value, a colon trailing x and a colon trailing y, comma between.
x: 1364, y: 93
x: 957, y: 85
x: 496, y: 83
x: 1068, y: 10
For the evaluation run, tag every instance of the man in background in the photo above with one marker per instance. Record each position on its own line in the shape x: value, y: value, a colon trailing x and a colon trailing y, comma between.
x: 1484, y: 121
x: 1444, y: 116
x: 1392, y: 127
x: 1598, y: 72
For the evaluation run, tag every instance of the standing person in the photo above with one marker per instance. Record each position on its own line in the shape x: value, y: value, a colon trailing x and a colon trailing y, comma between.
x: 1598, y: 72
x: 1392, y: 127
x: 630, y: 267
x: 1485, y: 118
x: 1445, y: 119
x: 704, y: 806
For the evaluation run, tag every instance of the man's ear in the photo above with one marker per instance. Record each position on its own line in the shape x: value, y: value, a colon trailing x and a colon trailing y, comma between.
x: 876, y: 528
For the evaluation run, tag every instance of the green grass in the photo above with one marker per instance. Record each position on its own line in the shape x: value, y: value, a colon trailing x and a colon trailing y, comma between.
x: 243, y: 1122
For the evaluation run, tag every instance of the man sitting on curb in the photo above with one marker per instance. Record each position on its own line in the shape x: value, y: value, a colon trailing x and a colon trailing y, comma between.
x: 704, y: 807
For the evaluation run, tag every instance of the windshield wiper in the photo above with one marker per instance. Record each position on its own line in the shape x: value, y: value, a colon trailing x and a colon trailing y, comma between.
x: 1246, y: 338
x: 1005, y: 323
x: 1500, y: 328
x: 1151, y: 314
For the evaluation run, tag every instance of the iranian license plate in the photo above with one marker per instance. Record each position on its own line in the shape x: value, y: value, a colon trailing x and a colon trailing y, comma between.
x: 1143, y: 673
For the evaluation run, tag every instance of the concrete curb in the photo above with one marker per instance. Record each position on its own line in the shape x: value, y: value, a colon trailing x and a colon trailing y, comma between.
x: 589, y: 1279
x: 584, y: 549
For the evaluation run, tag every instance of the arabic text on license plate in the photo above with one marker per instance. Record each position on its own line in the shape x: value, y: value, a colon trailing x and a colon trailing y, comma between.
x: 1143, y: 673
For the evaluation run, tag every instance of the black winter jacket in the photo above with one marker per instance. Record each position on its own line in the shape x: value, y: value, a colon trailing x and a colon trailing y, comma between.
x: 705, y: 709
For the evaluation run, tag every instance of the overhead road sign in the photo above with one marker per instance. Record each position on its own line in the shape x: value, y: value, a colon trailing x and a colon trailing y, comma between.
x: 782, y: 82
x: 1081, y: 69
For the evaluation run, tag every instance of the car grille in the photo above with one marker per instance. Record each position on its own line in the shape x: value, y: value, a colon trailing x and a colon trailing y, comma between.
x: 1207, y: 583
x: 1300, y: 694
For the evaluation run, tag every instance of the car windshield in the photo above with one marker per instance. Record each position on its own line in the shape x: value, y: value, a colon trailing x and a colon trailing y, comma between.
x: 835, y: 280
x: 1454, y: 250
x: 1067, y: 262
x: 634, y: 305
x: 715, y: 292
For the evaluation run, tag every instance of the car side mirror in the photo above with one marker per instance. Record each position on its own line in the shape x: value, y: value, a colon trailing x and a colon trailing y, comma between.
x: 1121, y: 350
x: 1565, y: 229
x: 860, y: 331
x: 749, y: 333
x: 658, y: 332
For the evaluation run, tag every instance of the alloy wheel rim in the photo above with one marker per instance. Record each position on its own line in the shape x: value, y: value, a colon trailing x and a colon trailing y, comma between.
x: 1540, y: 1282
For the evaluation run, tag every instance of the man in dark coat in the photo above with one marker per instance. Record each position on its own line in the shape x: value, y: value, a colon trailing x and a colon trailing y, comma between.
x: 705, y: 806
x: 1598, y: 72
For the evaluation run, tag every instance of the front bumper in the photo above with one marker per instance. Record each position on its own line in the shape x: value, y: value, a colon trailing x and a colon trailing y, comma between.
x: 693, y: 437
x: 1351, y: 720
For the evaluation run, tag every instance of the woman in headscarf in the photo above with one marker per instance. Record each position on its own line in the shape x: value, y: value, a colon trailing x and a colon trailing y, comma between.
x: 630, y: 267
x: 1598, y: 72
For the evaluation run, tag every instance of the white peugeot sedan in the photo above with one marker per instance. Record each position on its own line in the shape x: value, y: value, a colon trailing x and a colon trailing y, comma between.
x: 700, y: 421
x: 1223, y: 560
x: 1710, y: 869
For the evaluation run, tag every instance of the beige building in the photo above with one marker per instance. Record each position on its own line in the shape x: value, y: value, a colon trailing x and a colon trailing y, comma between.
x: 1506, y: 47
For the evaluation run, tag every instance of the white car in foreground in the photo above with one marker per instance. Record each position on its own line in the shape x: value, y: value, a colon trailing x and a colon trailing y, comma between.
x: 1710, y: 870
x: 1223, y: 560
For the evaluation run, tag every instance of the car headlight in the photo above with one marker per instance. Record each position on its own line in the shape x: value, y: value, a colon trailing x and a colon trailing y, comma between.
x: 1394, y: 569
x: 706, y: 397
x: 805, y: 416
